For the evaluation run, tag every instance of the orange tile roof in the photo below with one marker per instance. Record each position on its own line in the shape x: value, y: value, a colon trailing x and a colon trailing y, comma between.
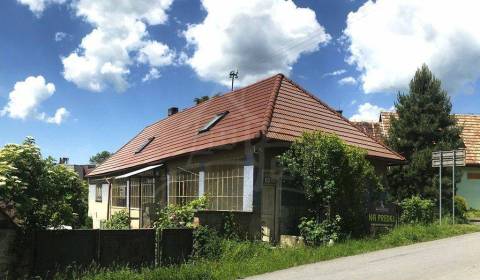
x: 276, y: 108
x: 470, y: 133
x: 471, y: 137
x: 372, y: 129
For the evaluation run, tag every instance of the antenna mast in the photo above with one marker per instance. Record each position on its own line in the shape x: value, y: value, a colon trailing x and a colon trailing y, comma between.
x: 233, y: 75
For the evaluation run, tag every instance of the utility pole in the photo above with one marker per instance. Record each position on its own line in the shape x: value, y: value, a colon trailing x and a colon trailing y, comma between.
x: 233, y: 76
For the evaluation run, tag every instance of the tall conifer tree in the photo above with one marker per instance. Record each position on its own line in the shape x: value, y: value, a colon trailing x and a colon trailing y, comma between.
x: 424, y: 124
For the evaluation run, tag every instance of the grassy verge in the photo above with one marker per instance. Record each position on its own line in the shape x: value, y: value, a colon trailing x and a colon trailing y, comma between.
x: 241, y: 259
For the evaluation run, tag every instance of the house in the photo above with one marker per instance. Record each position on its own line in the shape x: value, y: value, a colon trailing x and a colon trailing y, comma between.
x: 226, y: 148
x: 81, y: 169
x: 469, y: 186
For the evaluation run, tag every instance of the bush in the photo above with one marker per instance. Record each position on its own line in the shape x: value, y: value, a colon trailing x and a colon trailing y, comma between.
x: 179, y: 216
x: 119, y: 220
x: 207, y: 244
x: 315, y: 233
x: 461, y: 208
x: 230, y: 227
x: 416, y: 210
x: 337, y: 178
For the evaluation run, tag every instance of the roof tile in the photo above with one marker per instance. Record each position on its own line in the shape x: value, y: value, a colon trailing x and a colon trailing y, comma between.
x: 275, y: 107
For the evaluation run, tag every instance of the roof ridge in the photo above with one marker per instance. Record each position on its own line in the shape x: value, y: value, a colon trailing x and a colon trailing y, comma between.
x: 228, y: 93
x: 271, y: 103
x: 340, y: 115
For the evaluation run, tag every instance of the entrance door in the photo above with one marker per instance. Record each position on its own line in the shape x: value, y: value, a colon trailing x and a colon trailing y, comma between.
x: 268, y: 212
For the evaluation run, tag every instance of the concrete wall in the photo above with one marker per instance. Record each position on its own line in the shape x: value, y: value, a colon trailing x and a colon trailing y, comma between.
x: 97, y: 210
x: 470, y: 188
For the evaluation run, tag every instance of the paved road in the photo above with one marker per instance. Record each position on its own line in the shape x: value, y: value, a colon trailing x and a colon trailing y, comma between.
x: 454, y: 258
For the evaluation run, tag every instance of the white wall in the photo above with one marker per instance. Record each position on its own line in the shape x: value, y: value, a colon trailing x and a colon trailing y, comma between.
x: 97, y: 210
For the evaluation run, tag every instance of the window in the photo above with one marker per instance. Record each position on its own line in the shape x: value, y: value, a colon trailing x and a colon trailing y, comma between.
x: 119, y: 193
x: 148, y: 191
x: 144, y: 145
x: 214, y: 121
x: 135, y: 192
x: 98, y: 193
x: 182, y: 186
x: 144, y: 187
x: 224, y: 188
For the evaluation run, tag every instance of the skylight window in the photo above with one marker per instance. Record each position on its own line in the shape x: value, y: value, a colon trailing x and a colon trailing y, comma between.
x: 213, y: 122
x: 144, y: 145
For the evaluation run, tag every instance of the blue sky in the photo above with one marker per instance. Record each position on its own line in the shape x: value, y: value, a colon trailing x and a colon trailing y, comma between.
x: 96, y: 95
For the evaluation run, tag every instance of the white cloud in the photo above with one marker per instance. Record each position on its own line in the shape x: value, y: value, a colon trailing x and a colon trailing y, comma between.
x: 26, y: 97
x: 257, y: 37
x: 335, y: 73
x: 347, y: 81
x: 368, y: 112
x: 156, y: 54
x: 60, y: 36
x: 389, y: 39
x: 152, y: 75
x: 60, y: 115
x: 38, y: 6
x: 118, y: 40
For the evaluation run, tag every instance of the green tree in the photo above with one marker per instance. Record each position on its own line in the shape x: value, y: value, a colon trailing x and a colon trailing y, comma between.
x: 201, y: 99
x: 424, y: 124
x: 43, y: 193
x: 100, y: 157
x: 337, y: 179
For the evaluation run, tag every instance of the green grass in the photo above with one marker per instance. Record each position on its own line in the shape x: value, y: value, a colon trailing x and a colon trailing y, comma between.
x: 241, y: 259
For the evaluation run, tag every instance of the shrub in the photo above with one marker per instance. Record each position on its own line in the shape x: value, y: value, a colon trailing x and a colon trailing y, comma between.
x: 179, y: 216
x: 337, y: 178
x: 119, y: 220
x: 416, y: 210
x: 207, y: 243
x: 461, y: 208
x: 230, y: 228
x: 315, y: 233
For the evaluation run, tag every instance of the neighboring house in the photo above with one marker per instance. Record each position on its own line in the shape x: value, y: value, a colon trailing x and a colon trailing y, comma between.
x: 469, y: 186
x: 81, y: 169
x: 224, y: 148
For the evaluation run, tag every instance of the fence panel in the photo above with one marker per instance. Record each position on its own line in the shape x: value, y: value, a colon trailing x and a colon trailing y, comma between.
x: 132, y: 247
x: 55, y: 249
x: 176, y: 245
x: 59, y: 248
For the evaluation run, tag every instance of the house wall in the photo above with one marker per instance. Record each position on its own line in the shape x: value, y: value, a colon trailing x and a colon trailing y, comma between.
x: 470, y: 188
x: 97, y: 210
x: 248, y: 219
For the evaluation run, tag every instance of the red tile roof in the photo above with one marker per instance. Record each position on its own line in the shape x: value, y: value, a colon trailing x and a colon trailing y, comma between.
x: 372, y: 129
x: 275, y: 107
x: 470, y: 133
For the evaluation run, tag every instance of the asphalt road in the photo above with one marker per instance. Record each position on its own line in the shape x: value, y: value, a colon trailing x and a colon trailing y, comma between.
x: 455, y: 258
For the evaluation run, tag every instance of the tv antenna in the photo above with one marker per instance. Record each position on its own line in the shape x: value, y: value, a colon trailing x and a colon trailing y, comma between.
x: 233, y: 75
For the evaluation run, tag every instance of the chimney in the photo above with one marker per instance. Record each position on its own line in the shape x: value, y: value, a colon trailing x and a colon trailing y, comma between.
x: 172, y: 111
x: 340, y: 112
x: 63, y: 160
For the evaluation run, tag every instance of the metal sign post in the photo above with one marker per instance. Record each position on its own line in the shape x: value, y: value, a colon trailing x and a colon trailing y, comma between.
x: 442, y: 159
x: 453, y: 189
x: 440, y: 193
